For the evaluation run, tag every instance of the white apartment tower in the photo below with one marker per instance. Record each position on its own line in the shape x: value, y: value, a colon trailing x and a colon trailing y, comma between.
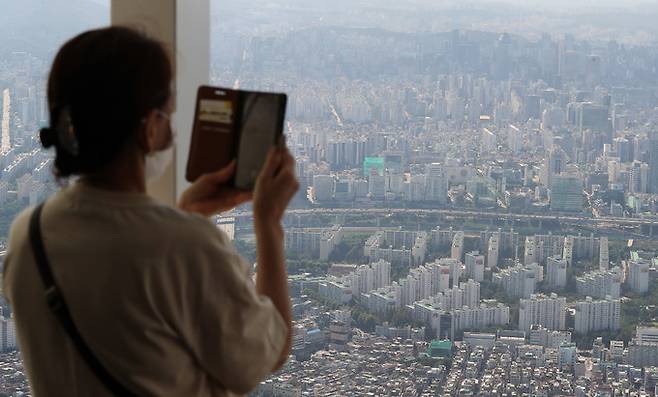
x: 518, y: 281
x: 600, y: 315
x: 556, y: 272
x: 638, y: 276
x: 601, y: 283
x: 474, y: 265
x: 471, y: 290
x: 493, y: 251
x: 547, y: 311
x: 457, y: 250
x: 604, y: 255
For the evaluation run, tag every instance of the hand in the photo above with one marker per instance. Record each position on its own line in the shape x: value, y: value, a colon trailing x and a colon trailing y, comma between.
x: 275, y: 187
x: 210, y: 194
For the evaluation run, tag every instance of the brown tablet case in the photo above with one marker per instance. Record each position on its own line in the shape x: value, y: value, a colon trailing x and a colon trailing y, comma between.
x: 214, y: 131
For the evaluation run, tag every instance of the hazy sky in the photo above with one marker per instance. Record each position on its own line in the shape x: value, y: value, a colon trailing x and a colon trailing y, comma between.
x: 41, y: 25
x: 628, y: 21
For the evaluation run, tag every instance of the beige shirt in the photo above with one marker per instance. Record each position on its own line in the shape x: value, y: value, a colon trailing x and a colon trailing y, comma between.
x: 160, y: 296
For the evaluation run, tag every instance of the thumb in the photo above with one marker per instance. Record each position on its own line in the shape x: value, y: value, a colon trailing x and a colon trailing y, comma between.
x: 272, y: 162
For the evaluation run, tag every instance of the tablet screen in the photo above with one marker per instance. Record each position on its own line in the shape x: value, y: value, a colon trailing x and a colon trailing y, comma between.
x: 260, y: 127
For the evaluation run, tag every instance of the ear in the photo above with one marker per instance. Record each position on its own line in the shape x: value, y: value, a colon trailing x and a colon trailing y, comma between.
x: 147, y: 134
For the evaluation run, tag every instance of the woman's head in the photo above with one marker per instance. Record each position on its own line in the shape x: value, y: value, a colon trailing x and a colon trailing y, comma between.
x: 108, y: 91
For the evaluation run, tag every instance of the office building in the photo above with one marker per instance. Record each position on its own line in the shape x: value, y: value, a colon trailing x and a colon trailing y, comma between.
x: 566, y: 193
x: 652, y: 184
x: 567, y: 357
x: 548, y: 338
x: 643, y: 349
x: 436, y: 183
x: 323, y: 187
x: 554, y: 164
x: 376, y: 186
x: 7, y: 334
x: 340, y: 330
x: 476, y: 339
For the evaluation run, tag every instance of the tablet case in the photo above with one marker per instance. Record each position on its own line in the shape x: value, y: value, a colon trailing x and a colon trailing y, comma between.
x: 217, y: 128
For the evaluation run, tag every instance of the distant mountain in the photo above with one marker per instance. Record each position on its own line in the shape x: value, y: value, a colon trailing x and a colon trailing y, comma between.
x: 41, y: 26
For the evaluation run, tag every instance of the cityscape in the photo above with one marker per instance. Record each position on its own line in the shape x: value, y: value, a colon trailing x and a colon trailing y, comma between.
x: 477, y: 206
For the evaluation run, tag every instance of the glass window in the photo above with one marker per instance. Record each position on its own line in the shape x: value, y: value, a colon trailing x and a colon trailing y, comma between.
x: 31, y: 32
x: 459, y: 165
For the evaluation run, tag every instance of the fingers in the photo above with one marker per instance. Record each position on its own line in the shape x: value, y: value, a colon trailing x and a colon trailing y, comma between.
x: 240, y: 198
x: 287, y: 180
x: 276, y: 185
x: 223, y: 175
x: 286, y: 176
x: 288, y: 159
x: 272, y: 163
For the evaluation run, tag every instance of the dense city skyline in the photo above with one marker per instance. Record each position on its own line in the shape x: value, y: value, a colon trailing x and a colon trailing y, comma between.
x: 479, y: 187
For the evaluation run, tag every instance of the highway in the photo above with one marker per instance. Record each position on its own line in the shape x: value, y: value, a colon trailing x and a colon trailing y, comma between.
x: 513, y: 217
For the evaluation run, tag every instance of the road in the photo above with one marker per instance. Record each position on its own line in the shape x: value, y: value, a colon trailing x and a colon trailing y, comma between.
x: 598, y: 221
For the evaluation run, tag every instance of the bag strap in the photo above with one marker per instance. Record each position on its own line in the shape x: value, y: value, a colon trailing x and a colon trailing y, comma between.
x: 58, y: 307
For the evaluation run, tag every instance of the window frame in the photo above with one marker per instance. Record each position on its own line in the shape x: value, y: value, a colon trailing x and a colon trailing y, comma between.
x: 184, y: 27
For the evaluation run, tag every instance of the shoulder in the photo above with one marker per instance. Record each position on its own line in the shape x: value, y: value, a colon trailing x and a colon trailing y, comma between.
x: 192, y: 235
x: 206, y: 252
x: 19, y: 227
x: 17, y: 244
x: 189, y: 228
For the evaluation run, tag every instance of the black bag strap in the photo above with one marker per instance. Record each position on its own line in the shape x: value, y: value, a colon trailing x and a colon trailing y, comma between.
x: 58, y: 307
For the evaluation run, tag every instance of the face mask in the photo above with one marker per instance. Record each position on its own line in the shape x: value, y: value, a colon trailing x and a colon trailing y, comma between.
x: 156, y: 162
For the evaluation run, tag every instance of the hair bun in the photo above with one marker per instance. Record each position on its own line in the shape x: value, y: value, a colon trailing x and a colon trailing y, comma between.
x: 48, y: 137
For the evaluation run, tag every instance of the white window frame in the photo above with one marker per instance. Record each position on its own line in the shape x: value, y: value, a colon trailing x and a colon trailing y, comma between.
x: 184, y: 27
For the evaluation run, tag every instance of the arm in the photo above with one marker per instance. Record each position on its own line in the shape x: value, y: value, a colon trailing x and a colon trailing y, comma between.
x: 239, y: 323
x: 275, y: 187
x: 272, y: 280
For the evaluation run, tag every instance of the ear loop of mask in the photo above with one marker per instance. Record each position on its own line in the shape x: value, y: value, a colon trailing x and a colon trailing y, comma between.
x: 172, y: 131
x: 172, y: 134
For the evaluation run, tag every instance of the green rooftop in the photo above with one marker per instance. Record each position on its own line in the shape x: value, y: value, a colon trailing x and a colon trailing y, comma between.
x: 440, y: 348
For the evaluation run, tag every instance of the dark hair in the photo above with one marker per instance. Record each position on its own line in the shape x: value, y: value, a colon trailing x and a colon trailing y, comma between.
x: 101, y: 85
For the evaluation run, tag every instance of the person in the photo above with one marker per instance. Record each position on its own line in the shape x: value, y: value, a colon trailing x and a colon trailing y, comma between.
x: 159, y: 294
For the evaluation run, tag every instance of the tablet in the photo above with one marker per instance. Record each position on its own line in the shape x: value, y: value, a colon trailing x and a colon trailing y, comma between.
x: 234, y: 124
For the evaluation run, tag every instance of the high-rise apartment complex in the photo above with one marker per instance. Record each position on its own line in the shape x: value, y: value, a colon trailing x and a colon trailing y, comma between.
x: 601, y: 315
x: 547, y: 311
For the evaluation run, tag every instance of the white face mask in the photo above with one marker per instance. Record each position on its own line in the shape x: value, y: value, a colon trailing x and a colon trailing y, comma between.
x: 156, y: 162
